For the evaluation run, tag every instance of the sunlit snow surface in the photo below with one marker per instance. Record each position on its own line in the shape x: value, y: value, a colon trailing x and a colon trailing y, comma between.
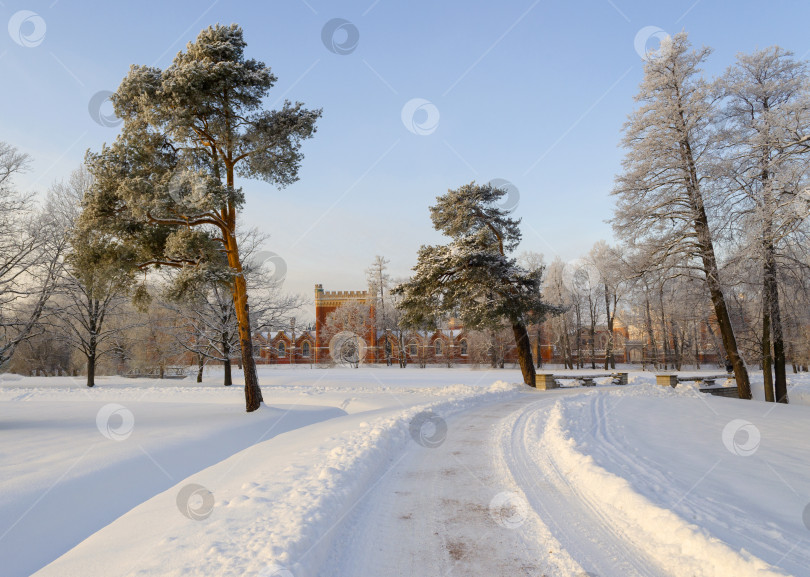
x: 173, y: 478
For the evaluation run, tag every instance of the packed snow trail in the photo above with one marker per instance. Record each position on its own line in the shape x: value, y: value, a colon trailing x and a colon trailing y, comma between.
x: 500, y: 497
x: 451, y: 509
x: 587, y: 536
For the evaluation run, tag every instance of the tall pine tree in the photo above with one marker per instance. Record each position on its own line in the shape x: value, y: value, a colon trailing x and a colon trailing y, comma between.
x: 167, y: 186
x: 474, y: 277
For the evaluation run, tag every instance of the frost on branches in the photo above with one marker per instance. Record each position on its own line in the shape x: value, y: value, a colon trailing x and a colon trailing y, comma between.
x: 474, y: 278
x: 167, y: 186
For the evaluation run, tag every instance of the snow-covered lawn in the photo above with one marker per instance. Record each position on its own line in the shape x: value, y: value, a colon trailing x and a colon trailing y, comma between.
x: 139, y: 477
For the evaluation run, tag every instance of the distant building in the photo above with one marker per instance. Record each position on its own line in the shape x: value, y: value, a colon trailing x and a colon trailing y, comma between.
x: 451, y: 345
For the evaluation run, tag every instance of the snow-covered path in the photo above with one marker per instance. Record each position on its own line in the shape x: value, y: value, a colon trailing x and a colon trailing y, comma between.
x: 481, y: 504
x: 430, y: 514
x: 585, y: 534
x: 509, y: 493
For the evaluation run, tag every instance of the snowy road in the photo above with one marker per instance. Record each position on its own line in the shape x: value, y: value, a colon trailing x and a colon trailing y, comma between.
x: 494, y: 499
x: 481, y: 504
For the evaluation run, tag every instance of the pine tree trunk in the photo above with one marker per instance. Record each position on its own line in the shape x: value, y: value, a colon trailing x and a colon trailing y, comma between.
x: 253, y: 394
x: 524, y: 353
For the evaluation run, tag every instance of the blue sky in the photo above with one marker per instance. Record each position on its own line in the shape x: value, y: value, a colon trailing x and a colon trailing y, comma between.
x: 534, y: 92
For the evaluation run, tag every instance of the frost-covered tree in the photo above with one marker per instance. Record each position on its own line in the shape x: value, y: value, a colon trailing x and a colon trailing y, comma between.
x: 531, y: 261
x: 167, y: 186
x: 346, y: 327
x: 93, y: 288
x: 32, y: 246
x: 615, y: 278
x: 474, y: 277
x: 208, y: 326
x: 661, y: 193
x: 561, y: 325
x: 379, y: 283
x: 767, y: 111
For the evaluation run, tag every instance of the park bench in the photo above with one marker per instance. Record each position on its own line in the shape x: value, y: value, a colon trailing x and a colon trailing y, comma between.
x: 672, y: 380
x: 552, y: 381
x: 154, y: 373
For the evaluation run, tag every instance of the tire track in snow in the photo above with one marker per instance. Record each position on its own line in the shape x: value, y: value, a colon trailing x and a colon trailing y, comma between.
x: 587, y: 535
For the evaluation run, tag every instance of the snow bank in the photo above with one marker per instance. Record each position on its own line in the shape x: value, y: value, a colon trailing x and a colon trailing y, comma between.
x: 675, y: 544
x: 274, y: 504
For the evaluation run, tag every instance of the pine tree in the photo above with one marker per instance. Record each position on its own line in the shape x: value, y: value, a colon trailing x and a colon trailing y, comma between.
x: 167, y: 186
x: 473, y: 277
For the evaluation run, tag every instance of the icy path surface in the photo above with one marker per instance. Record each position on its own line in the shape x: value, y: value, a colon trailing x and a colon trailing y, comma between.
x: 509, y: 492
x: 479, y: 504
